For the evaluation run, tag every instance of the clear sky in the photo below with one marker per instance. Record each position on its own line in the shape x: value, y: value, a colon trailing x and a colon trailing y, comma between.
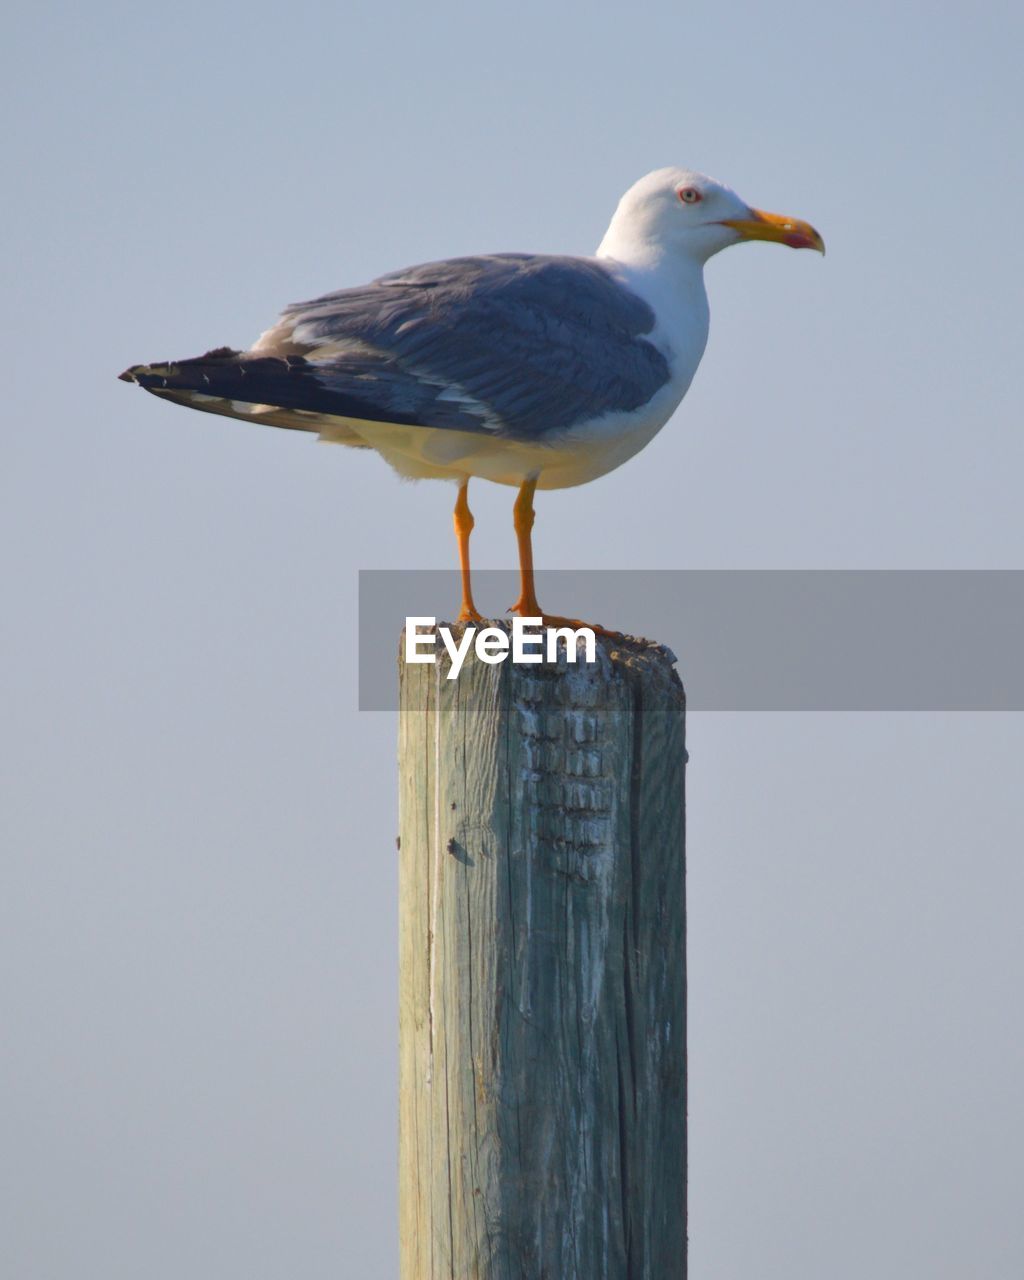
x: 198, y: 884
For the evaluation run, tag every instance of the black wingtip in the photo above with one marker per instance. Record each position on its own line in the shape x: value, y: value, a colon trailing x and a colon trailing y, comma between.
x: 138, y: 372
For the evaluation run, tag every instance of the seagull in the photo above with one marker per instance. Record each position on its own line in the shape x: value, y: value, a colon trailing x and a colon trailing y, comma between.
x: 532, y: 370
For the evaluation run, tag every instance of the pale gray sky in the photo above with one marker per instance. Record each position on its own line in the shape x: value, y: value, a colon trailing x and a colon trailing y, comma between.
x: 198, y: 884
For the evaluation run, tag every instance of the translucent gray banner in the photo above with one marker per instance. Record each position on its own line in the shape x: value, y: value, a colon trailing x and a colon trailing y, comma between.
x: 757, y: 640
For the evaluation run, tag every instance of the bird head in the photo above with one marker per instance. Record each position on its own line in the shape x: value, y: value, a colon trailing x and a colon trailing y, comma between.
x: 683, y: 212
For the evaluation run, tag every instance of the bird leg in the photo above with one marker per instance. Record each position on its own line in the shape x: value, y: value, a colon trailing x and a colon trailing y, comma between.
x: 464, y: 522
x: 522, y: 518
x: 526, y: 606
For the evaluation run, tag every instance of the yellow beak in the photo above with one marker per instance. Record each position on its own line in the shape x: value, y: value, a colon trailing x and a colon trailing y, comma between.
x: 777, y: 227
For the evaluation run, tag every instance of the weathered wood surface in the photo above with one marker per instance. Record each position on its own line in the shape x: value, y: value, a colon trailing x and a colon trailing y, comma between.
x: 543, y: 981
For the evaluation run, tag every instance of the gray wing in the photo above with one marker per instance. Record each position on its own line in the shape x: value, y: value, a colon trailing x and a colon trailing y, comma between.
x: 516, y: 345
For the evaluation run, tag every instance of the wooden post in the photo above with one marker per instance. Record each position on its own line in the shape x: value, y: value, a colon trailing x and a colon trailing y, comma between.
x: 543, y: 978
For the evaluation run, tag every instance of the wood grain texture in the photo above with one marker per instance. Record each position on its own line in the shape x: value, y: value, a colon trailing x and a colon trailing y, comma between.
x: 543, y: 979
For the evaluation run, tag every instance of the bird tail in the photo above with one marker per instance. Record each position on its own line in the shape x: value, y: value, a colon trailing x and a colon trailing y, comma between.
x: 237, y: 384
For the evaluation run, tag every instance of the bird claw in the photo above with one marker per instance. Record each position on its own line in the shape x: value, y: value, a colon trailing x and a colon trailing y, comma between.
x: 556, y: 620
x: 553, y: 620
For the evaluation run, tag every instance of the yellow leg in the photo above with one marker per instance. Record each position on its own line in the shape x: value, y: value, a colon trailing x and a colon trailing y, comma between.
x: 463, y: 528
x: 522, y: 517
x: 526, y: 606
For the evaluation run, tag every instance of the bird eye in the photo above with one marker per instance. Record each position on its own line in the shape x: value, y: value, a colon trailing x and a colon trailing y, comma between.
x: 689, y: 195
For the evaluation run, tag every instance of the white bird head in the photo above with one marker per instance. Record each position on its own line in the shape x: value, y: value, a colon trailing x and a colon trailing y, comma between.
x: 678, y: 212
